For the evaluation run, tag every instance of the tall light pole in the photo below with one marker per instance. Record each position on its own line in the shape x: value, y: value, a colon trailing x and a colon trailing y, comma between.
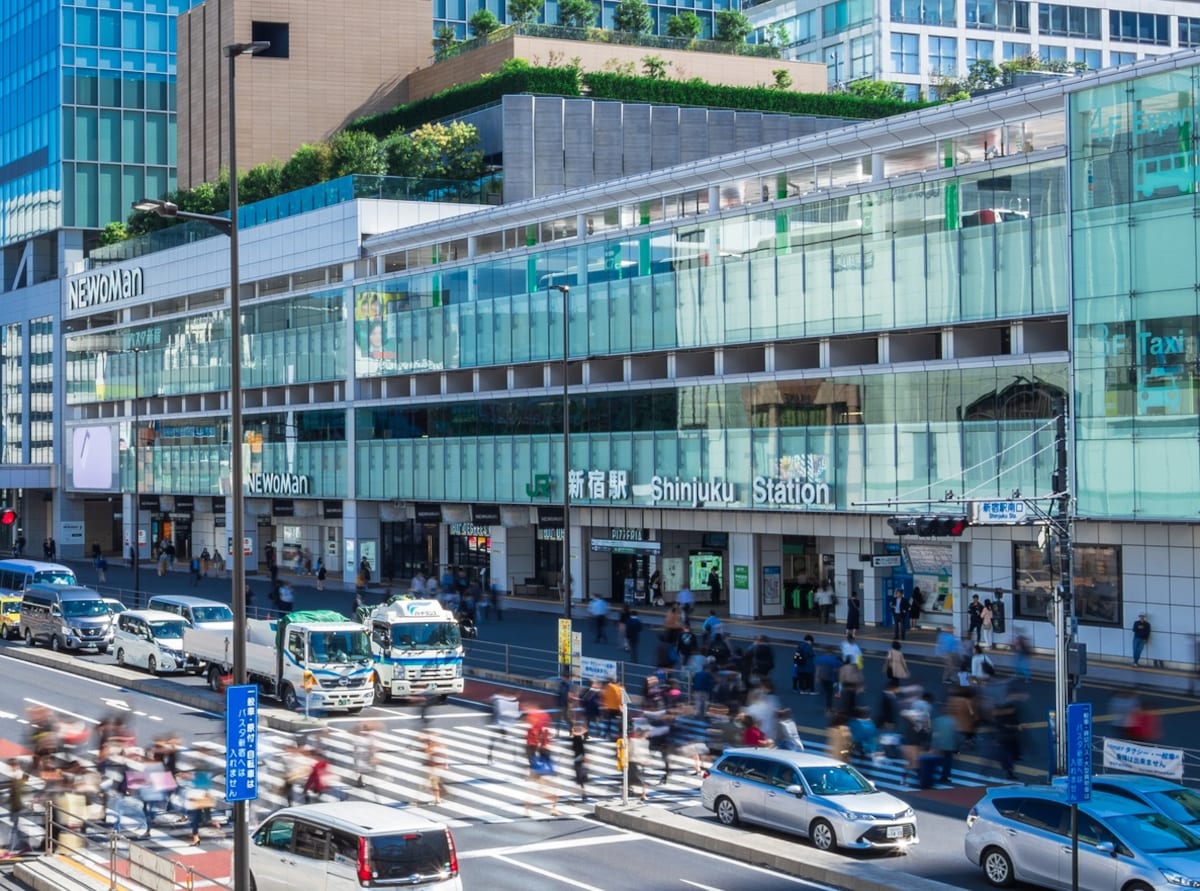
x: 137, y: 476
x: 565, y: 290
x: 237, y: 555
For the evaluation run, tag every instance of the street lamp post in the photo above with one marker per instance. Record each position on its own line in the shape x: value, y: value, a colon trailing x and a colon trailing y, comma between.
x: 137, y: 485
x: 237, y: 555
x: 565, y: 290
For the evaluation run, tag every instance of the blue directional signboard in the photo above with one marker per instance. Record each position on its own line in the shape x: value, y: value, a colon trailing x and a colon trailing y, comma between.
x: 1079, y: 752
x: 241, y: 743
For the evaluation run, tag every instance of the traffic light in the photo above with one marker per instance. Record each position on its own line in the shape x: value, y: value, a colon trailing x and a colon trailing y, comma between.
x: 933, y: 526
x: 8, y: 516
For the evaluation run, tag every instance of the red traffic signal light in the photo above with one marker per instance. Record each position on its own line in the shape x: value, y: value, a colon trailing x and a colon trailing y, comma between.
x: 8, y: 516
x: 935, y: 526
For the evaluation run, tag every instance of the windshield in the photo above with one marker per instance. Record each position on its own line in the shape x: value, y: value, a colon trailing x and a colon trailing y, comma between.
x: 1155, y: 834
x: 114, y: 606
x: 212, y: 614
x: 55, y: 577
x: 427, y: 635
x: 165, y: 630
x: 413, y: 854
x: 10, y: 605
x: 1178, y: 804
x: 835, y: 781
x: 339, y: 646
x: 81, y: 609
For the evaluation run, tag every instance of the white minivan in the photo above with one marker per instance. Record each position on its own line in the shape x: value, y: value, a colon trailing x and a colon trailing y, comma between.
x: 199, y: 612
x: 350, y: 845
x: 150, y: 639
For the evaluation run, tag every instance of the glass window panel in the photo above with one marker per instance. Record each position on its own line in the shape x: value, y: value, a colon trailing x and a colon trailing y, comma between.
x: 110, y: 135
x: 156, y: 139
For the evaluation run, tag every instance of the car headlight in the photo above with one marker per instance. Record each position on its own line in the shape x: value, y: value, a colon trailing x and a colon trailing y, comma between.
x: 68, y: 631
x: 909, y: 814
x: 855, y: 816
x: 1177, y: 878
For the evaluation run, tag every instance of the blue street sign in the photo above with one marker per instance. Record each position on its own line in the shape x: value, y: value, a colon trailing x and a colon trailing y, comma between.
x: 1079, y: 752
x: 241, y: 743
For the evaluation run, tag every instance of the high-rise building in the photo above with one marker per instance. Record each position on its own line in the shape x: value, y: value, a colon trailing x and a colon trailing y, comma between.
x: 87, y: 125
x: 914, y: 42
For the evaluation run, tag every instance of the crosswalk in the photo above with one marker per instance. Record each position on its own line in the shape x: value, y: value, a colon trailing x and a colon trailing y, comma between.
x: 485, y: 777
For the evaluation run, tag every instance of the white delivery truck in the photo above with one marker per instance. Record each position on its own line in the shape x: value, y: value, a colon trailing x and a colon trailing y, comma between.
x: 418, y: 649
x: 322, y: 647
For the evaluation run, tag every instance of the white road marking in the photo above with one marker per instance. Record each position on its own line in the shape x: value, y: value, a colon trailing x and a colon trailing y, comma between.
x: 405, y: 716
x: 698, y: 885
x: 116, y: 703
x: 550, y: 875
x: 62, y: 711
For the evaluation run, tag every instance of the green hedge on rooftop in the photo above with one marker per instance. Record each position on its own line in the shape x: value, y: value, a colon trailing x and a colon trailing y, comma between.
x: 566, y: 81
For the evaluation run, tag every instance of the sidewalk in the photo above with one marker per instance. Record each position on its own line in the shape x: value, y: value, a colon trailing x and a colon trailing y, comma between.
x: 875, y: 640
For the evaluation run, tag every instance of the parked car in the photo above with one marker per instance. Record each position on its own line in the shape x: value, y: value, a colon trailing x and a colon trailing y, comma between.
x: 151, y: 639
x: 198, y: 612
x: 10, y: 616
x: 115, y: 607
x: 825, y: 799
x: 350, y: 845
x: 1023, y: 833
x: 1170, y: 799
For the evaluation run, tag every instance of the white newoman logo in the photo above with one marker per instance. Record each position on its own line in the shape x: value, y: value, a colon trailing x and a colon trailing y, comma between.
x: 104, y: 287
x: 277, y: 484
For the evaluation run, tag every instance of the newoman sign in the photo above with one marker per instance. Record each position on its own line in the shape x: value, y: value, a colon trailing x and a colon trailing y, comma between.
x: 107, y: 286
x: 278, y: 484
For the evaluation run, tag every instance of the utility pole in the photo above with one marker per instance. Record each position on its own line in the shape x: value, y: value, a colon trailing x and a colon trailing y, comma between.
x: 1063, y: 612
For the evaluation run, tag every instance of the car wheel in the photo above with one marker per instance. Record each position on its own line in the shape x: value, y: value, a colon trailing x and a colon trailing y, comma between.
x: 997, y: 867
x: 1137, y: 886
x: 382, y: 693
x: 214, y: 678
x: 289, y: 698
x: 822, y: 835
x: 151, y: 665
x: 120, y: 656
x: 28, y: 638
x: 726, y: 811
x: 55, y: 643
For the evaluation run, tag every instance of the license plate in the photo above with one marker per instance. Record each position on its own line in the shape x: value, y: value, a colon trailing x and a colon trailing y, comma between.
x: 895, y: 832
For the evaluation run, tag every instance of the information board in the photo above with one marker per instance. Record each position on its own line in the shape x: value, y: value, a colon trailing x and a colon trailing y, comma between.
x: 241, y: 743
x: 1079, y: 752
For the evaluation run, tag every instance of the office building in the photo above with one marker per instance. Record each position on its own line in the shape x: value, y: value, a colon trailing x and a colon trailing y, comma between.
x: 913, y: 42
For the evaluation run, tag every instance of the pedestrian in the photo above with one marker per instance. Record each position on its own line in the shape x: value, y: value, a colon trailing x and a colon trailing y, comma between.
x: 205, y: 562
x: 803, y: 666
x: 589, y: 706
x: 198, y: 802
x: 18, y: 785
x: 195, y: 568
x: 320, y: 574
x: 101, y: 569
x: 853, y: 612
x: 540, y: 758
x: 982, y: 669
x: 975, y: 618
x: 633, y: 633
x: 622, y: 624
x: 946, y: 649
x: 986, y: 620
x: 714, y: 585
x: 712, y: 627
x: 916, y: 606
x: 752, y: 734
x: 703, y: 683
x: 436, y: 764
x: 598, y: 610
x: 899, y: 614
x: 634, y: 759
x: 612, y: 698
x: 287, y: 598
x: 1023, y: 651
x: 851, y: 684
x: 218, y: 562
x: 322, y: 781
x: 824, y: 602
x: 839, y: 743
x: 851, y: 650
x: 895, y: 667
x: 1141, y: 637
x: 828, y: 664
x: 687, y: 601
x: 944, y: 742
x: 579, y: 758
x: 497, y: 601
x: 787, y: 736
x: 20, y: 545
x: 761, y: 657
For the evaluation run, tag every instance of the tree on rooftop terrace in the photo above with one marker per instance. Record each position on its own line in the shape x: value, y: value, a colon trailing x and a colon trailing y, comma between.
x: 310, y: 165
x: 732, y: 27
x: 260, y: 182
x: 632, y: 17
x: 442, y: 151
x: 577, y: 13
x: 444, y: 40
x: 356, y: 151
x: 875, y: 89
x: 686, y: 25
x: 483, y: 23
x: 525, y: 12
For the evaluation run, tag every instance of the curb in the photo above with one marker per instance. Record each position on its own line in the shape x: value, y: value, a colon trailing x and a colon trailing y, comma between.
x: 747, y: 846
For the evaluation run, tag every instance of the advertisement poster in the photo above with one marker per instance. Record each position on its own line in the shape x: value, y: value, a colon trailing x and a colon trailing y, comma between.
x: 699, y: 566
x: 772, y: 579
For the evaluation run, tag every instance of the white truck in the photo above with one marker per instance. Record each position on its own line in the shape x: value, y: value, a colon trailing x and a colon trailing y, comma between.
x: 418, y: 649
x: 322, y: 647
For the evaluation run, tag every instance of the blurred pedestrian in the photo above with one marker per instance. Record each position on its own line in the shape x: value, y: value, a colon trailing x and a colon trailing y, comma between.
x: 633, y: 633
x: 895, y: 667
x: 598, y: 610
x: 579, y: 758
x: 18, y: 785
x: 804, y: 666
x: 1023, y: 652
x: 540, y: 758
x: 436, y: 764
x: 321, y: 574
x: 824, y: 602
x: 101, y: 570
x: 987, y: 620
x: 1141, y: 638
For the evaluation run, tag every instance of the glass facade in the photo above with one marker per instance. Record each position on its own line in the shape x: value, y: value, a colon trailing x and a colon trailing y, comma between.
x: 87, y: 111
x: 1137, y: 316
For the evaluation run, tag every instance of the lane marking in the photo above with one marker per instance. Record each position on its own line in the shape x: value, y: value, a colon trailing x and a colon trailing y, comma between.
x: 536, y: 870
x: 698, y: 885
x: 62, y: 711
x: 549, y: 845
